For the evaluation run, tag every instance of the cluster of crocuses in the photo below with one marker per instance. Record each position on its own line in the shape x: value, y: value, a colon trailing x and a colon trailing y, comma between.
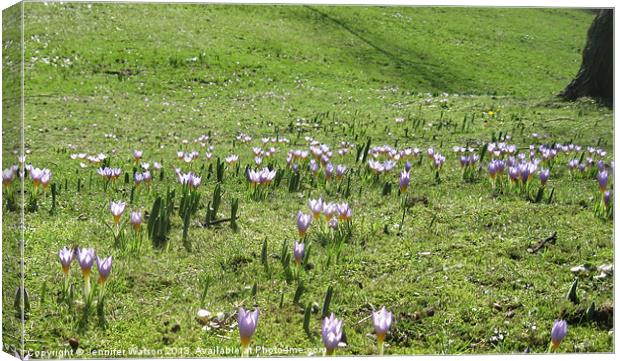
x: 331, y: 329
x: 275, y: 140
x: 332, y: 213
x: 468, y: 159
x: 109, y: 174
x: 243, y: 138
x: 117, y: 209
x: 261, y: 177
x: 188, y: 157
x: 436, y: 159
x: 144, y: 177
x: 85, y: 258
x: 188, y: 179
x: 40, y: 177
x: 378, y: 167
x: 92, y: 159
x: 232, y: 159
x: 260, y: 154
x: 295, y: 156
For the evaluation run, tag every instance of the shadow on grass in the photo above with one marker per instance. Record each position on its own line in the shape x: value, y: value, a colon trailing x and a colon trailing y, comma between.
x: 410, y: 65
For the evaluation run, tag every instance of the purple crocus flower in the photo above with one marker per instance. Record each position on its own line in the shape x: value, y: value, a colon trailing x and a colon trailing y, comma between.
x: 316, y: 207
x: 544, y: 176
x: 340, y: 171
x: 582, y: 167
x: 329, y: 170
x: 298, y: 252
x: 303, y: 222
x: 7, y: 176
x: 105, y: 267
x: 573, y: 163
x: 513, y: 173
x: 602, y: 178
x: 558, y: 332
x: 344, y: 211
x: 492, y: 170
x: 381, y: 320
x: 314, y: 166
x: 331, y: 333
x: 117, y: 209
x: 137, y: 155
x: 606, y: 197
x: 135, y: 219
x: 85, y: 257
x: 66, y: 256
x: 330, y: 209
x: 408, y: 166
x: 464, y: 160
x: 333, y: 223
x: 404, y: 181
x: 247, y: 325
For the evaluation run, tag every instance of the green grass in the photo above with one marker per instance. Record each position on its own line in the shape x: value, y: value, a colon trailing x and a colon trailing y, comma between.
x: 154, y: 75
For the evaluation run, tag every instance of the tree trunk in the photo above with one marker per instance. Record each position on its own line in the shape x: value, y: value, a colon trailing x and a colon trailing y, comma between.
x: 596, y: 75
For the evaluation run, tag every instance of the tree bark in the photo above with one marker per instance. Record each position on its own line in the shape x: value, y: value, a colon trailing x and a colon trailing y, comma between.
x: 596, y: 74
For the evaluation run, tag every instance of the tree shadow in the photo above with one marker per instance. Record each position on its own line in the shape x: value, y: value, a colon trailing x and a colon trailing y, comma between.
x: 411, y: 65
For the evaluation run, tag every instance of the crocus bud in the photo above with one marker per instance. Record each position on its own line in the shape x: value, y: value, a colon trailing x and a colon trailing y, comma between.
x: 303, y: 222
x: 298, y: 252
x: 558, y: 332
x: 136, y: 220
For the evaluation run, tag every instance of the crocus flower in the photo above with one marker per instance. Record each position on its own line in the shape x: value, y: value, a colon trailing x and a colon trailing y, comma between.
x: 298, y: 252
x: 404, y: 181
x: 117, y: 209
x: 7, y: 176
x: 35, y: 175
x: 66, y: 256
x: 382, y: 320
x: 316, y: 207
x: 86, y: 257
x: 544, y: 176
x: 104, y: 266
x: 606, y: 197
x: 46, y: 177
x: 137, y: 155
x: 136, y: 220
x: 331, y: 333
x: 330, y: 209
x: 303, y: 222
x: 408, y: 166
x: 602, y: 178
x: 231, y: 159
x: 558, y: 332
x: 492, y: 170
x: 329, y: 170
x: 333, y: 223
x: 247, y: 325
x: 340, y: 171
x: 344, y: 211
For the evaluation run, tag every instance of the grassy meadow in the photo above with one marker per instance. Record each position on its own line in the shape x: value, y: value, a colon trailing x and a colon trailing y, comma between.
x: 458, y: 258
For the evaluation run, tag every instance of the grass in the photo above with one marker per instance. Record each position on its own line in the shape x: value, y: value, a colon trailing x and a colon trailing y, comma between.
x: 458, y: 277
